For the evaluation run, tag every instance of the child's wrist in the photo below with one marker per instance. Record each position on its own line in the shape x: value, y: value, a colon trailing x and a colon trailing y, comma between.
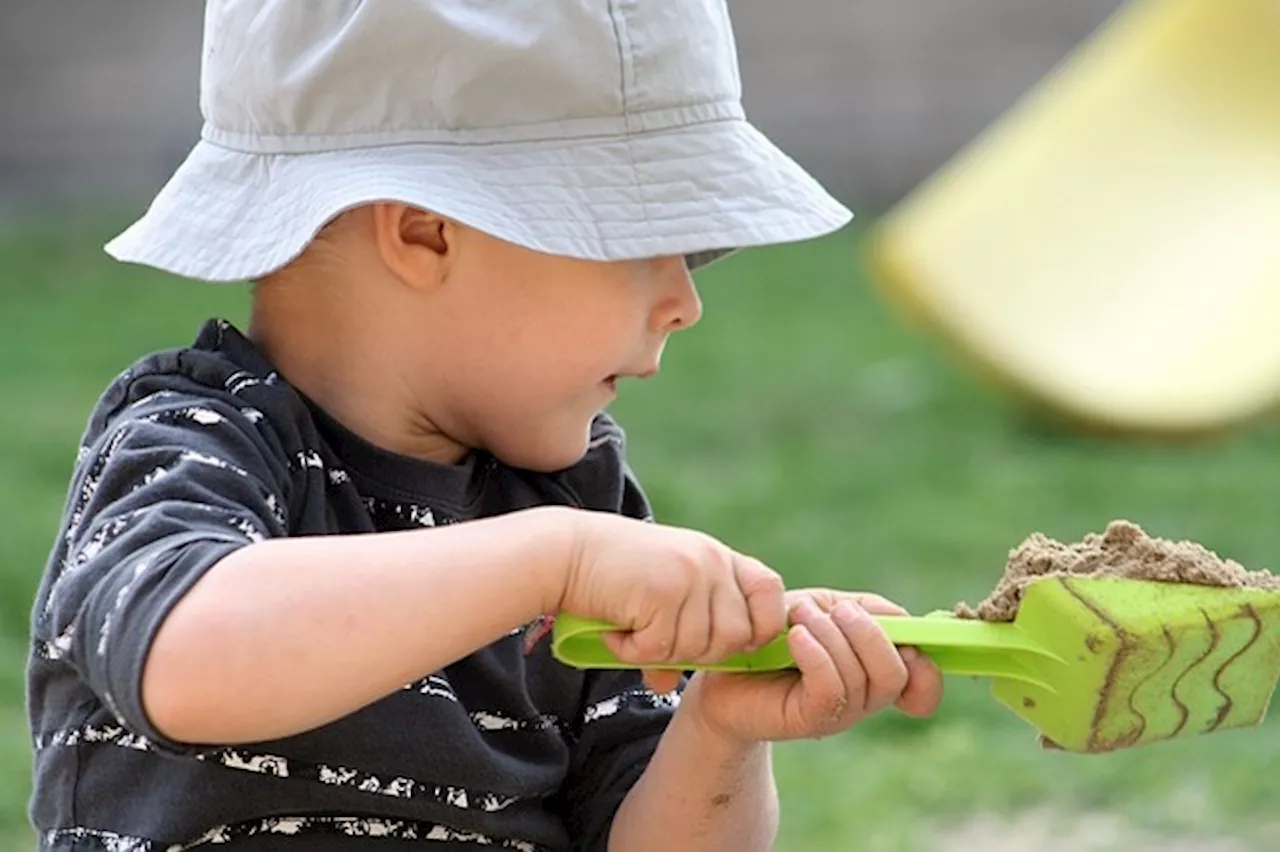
x: 710, y: 739
x: 555, y: 539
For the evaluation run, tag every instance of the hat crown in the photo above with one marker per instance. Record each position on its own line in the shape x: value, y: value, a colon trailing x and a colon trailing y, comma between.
x: 310, y: 75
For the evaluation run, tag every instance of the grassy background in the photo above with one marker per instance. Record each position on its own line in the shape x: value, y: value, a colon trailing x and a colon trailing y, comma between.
x: 800, y: 422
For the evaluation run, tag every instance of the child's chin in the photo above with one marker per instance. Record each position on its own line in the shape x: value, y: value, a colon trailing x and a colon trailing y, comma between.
x: 548, y: 456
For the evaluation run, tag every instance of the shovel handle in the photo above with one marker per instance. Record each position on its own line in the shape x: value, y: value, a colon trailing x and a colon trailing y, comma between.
x: 956, y: 646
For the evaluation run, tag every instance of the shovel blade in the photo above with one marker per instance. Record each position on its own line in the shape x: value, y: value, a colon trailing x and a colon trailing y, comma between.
x: 1145, y: 661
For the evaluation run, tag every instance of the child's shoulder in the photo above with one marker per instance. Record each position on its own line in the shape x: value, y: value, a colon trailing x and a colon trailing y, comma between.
x: 217, y: 380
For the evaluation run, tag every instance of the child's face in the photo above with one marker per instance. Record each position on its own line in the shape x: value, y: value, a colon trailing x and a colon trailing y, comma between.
x: 536, y: 344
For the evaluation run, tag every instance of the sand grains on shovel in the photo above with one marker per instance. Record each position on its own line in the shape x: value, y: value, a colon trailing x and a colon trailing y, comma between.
x: 1122, y: 550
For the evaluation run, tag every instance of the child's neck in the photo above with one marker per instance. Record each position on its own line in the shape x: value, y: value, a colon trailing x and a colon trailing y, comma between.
x: 323, y: 351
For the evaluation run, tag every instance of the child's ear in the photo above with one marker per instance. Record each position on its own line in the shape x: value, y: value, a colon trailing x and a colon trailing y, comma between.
x: 415, y: 245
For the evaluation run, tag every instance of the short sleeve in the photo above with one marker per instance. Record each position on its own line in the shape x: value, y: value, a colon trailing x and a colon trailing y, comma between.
x: 168, y: 488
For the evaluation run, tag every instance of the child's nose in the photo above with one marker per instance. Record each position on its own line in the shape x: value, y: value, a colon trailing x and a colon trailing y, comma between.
x: 680, y: 306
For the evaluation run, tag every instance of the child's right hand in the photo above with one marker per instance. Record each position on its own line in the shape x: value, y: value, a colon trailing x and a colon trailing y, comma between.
x: 675, y: 594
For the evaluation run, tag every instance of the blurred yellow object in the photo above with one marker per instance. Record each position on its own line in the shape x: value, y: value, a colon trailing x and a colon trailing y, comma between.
x: 1111, y: 247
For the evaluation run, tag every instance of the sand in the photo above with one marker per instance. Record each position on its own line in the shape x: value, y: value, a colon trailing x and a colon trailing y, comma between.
x: 1123, y: 550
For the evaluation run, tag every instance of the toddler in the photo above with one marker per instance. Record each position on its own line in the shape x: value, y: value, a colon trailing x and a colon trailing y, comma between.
x: 300, y: 593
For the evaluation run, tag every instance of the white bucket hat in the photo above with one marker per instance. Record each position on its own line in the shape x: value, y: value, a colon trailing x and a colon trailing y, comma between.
x: 597, y: 129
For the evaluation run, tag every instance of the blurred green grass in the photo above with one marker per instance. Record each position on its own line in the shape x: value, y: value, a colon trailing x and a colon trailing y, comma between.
x: 801, y: 422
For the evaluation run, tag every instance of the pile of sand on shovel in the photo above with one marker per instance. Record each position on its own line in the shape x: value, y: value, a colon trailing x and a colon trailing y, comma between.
x: 1123, y: 550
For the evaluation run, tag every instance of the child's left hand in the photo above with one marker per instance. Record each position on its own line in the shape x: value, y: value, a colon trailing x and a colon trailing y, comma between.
x: 847, y: 671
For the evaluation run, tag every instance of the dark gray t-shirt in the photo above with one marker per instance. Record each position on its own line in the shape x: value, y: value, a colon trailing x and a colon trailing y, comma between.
x: 193, y: 453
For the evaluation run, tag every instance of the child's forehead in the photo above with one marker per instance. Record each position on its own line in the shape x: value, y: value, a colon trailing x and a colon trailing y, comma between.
x: 422, y: 70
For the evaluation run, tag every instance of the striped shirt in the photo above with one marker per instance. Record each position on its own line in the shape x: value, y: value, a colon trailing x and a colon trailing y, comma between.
x: 193, y: 453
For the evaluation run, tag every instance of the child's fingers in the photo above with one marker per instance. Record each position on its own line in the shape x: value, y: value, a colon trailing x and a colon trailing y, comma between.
x: 661, y: 681
x: 832, y: 637
x: 765, y: 597
x: 824, y: 690
x: 651, y: 642
x: 674, y: 632
x: 694, y: 625
x: 880, y: 663
x: 877, y: 605
x: 730, y: 623
x: 924, y: 688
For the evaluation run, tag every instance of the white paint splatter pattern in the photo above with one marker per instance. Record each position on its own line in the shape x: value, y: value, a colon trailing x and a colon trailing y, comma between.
x: 612, y: 706
x: 245, y: 760
x: 99, y: 541
x: 87, y: 552
x: 410, y: 513
x: 294, y: 826
x: 487, y: 721
x: 122, y: 594
x: 312, y: 460
x: 247, y: 528
x: 197, y: 414
x: 277, y: 513
x: 212, y: 461
x: 116, y: 735
x: 436, y: 686
x: 108, y: 841
x: 194, y: 458
x: 60, y: 647
x: 205, y: 416
x: 241, y: 380
x: 92, y: 479
x: 151, y: 398
x: 97, y: 466
x: 262, y: 764
x: 153, y: 477
x: 118, y: 525
x: 108, y: 532
x: 398, y: 787
x: 309, y: 459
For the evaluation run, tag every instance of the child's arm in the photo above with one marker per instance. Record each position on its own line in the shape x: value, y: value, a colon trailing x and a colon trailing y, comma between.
x: 181, y: 599
x: 289, y: 634
x: 286, y: 635
x: 700, y: 792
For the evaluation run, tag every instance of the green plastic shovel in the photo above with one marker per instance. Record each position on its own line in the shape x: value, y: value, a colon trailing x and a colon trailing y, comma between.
x: 1093, y: 663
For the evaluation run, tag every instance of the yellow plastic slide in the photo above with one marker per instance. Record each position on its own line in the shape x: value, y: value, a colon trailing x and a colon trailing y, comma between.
x: 1111, y: 247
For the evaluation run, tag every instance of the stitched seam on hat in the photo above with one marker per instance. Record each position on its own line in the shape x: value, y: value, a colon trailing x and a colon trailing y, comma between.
x: 651, y: 121
x: 624, y: 51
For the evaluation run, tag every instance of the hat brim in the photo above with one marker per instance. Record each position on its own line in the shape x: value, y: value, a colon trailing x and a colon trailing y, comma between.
x: 700, y: 191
